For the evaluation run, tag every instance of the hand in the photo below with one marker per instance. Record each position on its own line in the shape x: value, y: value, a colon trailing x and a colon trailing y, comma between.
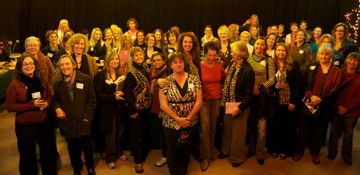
x: 235, y: 112
x: 162, y: 82
x: 60, y: 113
x: 136, y: 115
x: 118, y: 95
x: 256, y: 90
x: 291, y: 107
x: 315, y: 100
x: 184, y: 122
x: 42, y: 104
x: 341, y: 110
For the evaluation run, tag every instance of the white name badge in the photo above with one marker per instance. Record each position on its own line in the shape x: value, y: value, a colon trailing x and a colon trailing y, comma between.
x: 336, y: 63
x: 312, y: 67
x: 50, y: 55
x: 36, y: 95
x: 91, y: 48
x: 80, y: 85
x: 301, y: 51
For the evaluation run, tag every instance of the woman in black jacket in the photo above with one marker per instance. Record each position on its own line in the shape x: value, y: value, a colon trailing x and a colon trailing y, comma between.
x: 282, y: 128
x: 111, y: 104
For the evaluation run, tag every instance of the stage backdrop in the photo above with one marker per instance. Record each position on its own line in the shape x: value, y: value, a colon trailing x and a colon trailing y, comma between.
x: 22, y: 18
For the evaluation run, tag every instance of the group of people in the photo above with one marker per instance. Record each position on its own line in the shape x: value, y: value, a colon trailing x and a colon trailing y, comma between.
x: 273, y: 93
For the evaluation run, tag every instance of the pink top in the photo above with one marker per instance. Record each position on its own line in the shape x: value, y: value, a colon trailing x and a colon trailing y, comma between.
x: 124, y: 56
x: 211, y: 80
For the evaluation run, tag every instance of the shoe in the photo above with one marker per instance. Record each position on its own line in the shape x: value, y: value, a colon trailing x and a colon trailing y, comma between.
x: 91, y: 171
x: 261, y: 161
x: 222, y: 155
x: 274, y: 155
x: 315, y: 159
x: 139, y: 168
x: 111, y: 165
x: 123, y: 157
x: 297, y: 157
x: 161, y: 162
x: 283, y: 156
x: 204, y: 165
x: 236, y: 164
x: 331, y: 157
x: 348, y: 162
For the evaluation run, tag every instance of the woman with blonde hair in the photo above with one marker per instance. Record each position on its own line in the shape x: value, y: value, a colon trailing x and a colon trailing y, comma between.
x: 224, y: 52
x: 97, y: 47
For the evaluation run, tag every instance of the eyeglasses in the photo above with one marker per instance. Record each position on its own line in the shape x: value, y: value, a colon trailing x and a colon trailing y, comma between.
x: 339, y: 30
x: 28, y: 64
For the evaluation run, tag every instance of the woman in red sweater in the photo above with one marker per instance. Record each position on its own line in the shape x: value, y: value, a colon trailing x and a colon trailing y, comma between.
x: 29, y: 96
x: 348, y: 110
x: 212, y: 72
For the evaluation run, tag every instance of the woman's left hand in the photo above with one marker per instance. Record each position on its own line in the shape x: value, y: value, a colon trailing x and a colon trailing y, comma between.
x: 235, y: 112
x: 291, y: 107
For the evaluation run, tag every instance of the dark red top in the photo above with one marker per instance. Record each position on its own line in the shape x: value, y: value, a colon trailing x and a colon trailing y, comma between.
x: 349, y: 97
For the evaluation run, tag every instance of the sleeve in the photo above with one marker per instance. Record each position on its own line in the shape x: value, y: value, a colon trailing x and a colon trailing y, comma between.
x: 91, y: 103
x: 249, y: 84
x: 99, y: 84
x: 297, y: 83
x: 271, y: 73
x: 11, y: 102
x: 130, y: 98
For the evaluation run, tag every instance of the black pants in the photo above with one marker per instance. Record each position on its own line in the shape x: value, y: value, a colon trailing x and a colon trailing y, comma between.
x: 113, y: 139
x: 178, y: 156
x: 140, y: 136
x: 159, y: 130
x: 75, y: 147
x: 28, y: 135
x: 281, y: 137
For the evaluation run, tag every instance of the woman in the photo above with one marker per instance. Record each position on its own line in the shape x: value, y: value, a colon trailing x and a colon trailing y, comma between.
x: 190, y: 47
x: 321, y: 81
x: 117, y: 33
x: 140, y: 39
x: 254, y: 32
x: 212, y: 73
x: 97, y: 45
x: 245, y: 37
x: 32, y: 47
x: 173, y: 45
x: 264, y: 70
x: 52, y: 47
x: 137, y: 96
x: 30, y: 97
x: 348, y: 110
x: 270, y: 44
x: 111, y: 105
x: 78, y: 47
x: 253, y: 21
x: 301, y: 51
x: 224, y: 52
x: 124, y: 52
x: 208, y: 36
x: 158, y: 38
x: 159, y: 70
x: 238, y: 86
x: 150, y: 48
x: 326, y: 38
x: 180, y: 100
x: 282, y: 128
x: 74, y: 104
x: 132, y: 26
x: 108, y: 39
x: 315, y: 40
x: 342, y: 46
x: 61, y: 30
x: 281, y: 34
x: 291, y: 37
x: 233, y: 32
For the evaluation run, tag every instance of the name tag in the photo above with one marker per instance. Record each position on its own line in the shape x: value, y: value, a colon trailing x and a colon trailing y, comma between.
x: 263, y: 63
x: 36, y: 95
x: 312, y: 67
x: 80, y: 85
x: 50, y: 55
x: 301, y: 51
x: 336, y: 63
x: 91, y: 48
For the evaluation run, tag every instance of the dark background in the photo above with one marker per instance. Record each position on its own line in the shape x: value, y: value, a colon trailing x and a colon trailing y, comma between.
x: 22, y: 18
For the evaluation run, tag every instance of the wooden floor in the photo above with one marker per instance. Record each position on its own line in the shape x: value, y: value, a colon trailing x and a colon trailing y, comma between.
x: 9, y: 158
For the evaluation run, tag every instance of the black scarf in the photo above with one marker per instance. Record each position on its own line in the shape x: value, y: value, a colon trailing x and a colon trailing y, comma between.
x: 32, y: 84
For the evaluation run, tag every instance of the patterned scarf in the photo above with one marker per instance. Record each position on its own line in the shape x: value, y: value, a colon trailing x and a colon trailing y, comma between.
x: 228, y: 91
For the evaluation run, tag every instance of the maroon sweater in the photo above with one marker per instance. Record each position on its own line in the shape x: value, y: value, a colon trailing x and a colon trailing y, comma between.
x: 26, y: 112
x: 349, y: 97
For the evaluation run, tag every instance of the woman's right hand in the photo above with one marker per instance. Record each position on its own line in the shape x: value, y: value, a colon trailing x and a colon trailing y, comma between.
x: 162, y: 82
x: 183, y: 122
x: 315, y: 100
x: 119, y: 95
x: 256, y: 90
x: 60, y: 113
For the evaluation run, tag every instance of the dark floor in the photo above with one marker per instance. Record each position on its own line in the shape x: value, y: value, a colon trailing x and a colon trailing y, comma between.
x: 9, y: 160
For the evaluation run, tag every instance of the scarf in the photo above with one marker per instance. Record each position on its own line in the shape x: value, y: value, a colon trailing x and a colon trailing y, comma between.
x: 32, y: 85
x: 228, y: 92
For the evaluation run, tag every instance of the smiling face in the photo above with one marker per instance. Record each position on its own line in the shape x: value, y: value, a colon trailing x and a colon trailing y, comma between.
x: 259, y: 46
x: 79, y: 47
x: 158, y: 36
x: 151, y: 41
x: 352, y: 64
x: 339, y: 32
x: 223, y: 35
x: 157, y: 62
x: 140, y: 37
x: 132, y: 25
x: 172, y: 38
x: 317, y: 32
x: 32, y: 47
x: 208, y: 32
x: 66, y: 67
x: 108, y: 34
x: 300, y: 36
x: 280, y: 52
x: 187, y: 44
x: 178, y: 65
x: 211, y: 56
x: 53, y: 38
x: 270, y: 41
x: 244, y: 37
x: 97, y: 35
x: 114, y: 62
x: 138, y: 57
x: 324, y: 56
x: 28, y: 67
